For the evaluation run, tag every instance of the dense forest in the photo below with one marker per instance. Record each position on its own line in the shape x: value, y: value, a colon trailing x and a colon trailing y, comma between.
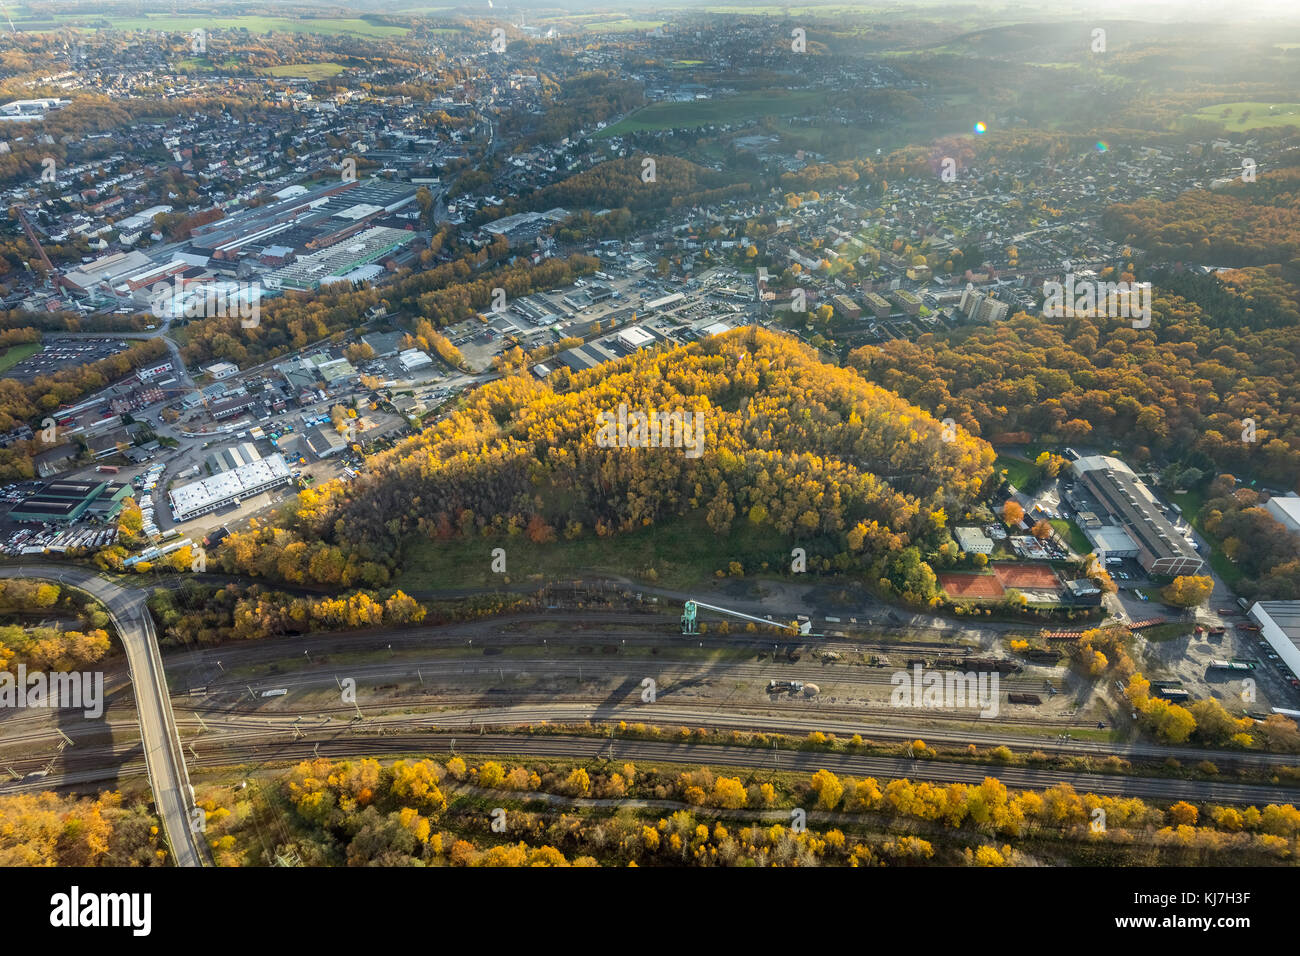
x: 805, y: 450
x: 1179, y: 390
x: 624, y: 184
x: 1244, y: 224
x: 1265, y: 552
x: 1221, y: 350
x: 50, y: 829
x: 199, y: 614
x: 70, y: 634
x: 420, y: 812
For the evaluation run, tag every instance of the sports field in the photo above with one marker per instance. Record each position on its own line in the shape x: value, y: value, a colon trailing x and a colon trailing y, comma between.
x: 960, y: 584
x: 1037, y: 577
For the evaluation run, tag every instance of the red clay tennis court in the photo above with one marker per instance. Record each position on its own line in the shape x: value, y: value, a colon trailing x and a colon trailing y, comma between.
x: 959, y: 585
x: 1034, y: 576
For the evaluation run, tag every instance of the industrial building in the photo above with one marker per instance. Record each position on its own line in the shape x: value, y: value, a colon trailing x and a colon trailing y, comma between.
x: 228, y: 459
x: 233, y: 405
x: 108, y: 271
x: 634, y: 337
x: 324, y: 440
x: 229, y: 487
x: 583, y: 357
x: 1286, y: 510
x: 522, y: 228
x: 30, y: 111
x: 310, y: 372
x: 339, y: 261
x: 304, y: 222
x: 412, y: 359
x: 1137, y: 526
x: 105, y: 444
x: 64, y: 502
x: 665, y: 302
x: 1279, y: 624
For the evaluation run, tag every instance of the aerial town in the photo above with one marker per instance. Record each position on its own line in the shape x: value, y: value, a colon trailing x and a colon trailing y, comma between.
x: 672, y: 437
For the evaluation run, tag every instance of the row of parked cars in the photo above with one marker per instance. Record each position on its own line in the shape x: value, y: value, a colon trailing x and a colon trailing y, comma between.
x: 58, y: 540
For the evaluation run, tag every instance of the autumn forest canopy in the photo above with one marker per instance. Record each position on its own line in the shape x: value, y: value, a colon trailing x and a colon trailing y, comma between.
x: 813, y: 453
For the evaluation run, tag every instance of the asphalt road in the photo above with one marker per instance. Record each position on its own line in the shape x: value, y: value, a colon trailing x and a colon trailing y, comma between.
x: 164, y: 760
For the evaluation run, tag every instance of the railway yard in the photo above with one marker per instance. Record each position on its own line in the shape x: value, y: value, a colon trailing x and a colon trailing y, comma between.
x: 576, y: 684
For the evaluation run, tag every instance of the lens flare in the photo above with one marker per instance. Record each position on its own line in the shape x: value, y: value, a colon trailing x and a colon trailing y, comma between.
x: 980, y: 128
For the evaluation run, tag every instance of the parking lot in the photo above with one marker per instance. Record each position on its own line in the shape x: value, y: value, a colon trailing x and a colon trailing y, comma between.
x: 1264, y: 683
x: 58, y: 354
x: 38, y: 540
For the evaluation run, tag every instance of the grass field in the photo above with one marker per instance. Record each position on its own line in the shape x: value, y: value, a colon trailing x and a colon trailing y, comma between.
x: 194, y: 63
x: 14, y: 355
x: 1192, y: 502
x: 683, y: 553
x: 623, y: 25
x: 1239, y: 117
x: 1169, y: 631
x: 776, y: 10
x: 184, y: 23
x: 307, y: 71
x: 743, y: 108
x: 1020, y: 472
x: 1072, y: 534
x: 603, y: 22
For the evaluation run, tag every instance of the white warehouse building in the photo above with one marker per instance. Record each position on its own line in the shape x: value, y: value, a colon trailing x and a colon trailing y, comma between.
x: 1286, y: 510
x: 1279, y: 624
x: 412, y: 359
x: 228, y: 487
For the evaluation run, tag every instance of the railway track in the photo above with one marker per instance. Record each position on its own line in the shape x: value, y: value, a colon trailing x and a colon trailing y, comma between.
x: 804, y: 708
x: 205, y: 729
x: 600, y: 751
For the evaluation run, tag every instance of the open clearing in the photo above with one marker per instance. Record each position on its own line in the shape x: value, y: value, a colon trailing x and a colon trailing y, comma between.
x: 17, y: 353
x: 1239, y: 117
x: 743, y: 108
x: 183, y: 23
x: 306, y: 71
